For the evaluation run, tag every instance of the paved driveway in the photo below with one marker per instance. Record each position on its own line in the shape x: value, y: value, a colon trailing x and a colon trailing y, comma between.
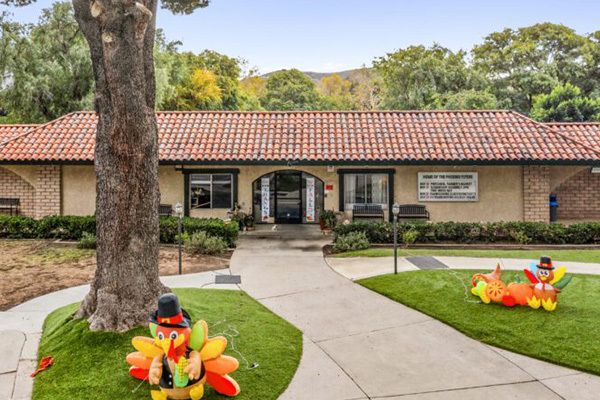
x: 360, y: 345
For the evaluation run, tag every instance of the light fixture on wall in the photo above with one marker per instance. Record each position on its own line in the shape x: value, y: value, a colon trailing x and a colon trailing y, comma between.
x: 596, y: 170
x: 330, y: 168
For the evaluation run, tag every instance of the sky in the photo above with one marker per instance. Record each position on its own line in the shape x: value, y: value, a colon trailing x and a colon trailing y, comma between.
x: 335, y: 35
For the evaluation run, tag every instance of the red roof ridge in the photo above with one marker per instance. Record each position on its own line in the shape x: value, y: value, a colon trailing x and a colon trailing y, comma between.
x: 559, y: 133
x: 325, y: 111
x: 36, y: 127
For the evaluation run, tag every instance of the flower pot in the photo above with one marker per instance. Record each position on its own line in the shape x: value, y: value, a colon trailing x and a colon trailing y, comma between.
x: 323, y: 224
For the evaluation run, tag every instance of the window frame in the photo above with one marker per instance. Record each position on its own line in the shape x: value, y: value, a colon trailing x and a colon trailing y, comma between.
x: 211, y: 182
x: 234, y: 172
x: 376, y: 171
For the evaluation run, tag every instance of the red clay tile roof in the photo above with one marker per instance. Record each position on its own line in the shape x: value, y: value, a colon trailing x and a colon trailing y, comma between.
x: 585, y: 132
x: 318, y: 137
x: 10, y: 131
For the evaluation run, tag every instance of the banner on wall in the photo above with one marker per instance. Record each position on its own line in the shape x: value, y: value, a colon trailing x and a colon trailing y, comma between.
x: 265, y: 200
x: 448, y: 186
x: 310, y: 199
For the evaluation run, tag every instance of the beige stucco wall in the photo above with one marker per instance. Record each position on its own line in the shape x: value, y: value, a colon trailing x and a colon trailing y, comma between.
x: 500, y: 194
x: 27, y: 172
x: 500, y: 189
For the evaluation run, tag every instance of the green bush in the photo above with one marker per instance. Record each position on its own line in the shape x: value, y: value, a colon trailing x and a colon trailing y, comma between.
x: 87, y: 241
x: 73, y: 228
x: 202, y: 243
x: 471, y: 232
x: 350, y: 242
x: 409, y: 237
x: 212, y: 226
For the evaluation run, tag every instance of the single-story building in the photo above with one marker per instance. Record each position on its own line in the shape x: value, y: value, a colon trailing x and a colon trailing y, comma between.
x: 287, y: 167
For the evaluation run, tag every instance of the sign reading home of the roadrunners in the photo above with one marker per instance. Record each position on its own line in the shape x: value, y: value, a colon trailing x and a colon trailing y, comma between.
x: 448, y: 186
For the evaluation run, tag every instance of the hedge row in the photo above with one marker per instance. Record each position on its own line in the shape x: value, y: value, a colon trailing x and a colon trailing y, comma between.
x: 466, y: 232
x: 72, y: 228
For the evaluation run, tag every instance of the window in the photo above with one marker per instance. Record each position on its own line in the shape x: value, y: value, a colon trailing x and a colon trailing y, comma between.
x: 211, y: 191
x: 365, y: 189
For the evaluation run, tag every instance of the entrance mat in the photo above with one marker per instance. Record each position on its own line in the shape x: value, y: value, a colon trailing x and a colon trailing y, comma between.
x: 228, y: 279
x: 426, y: 262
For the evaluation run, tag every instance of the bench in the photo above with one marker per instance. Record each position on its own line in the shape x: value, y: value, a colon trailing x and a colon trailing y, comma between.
x: 413, y: 211
x: 165, y: 210
x: 367, y: 211
x: 10, y: 206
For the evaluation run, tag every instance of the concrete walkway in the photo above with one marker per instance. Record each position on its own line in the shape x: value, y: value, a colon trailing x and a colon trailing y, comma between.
x: 21, y: 330
x: 360, y: 345
x: 355, y: 268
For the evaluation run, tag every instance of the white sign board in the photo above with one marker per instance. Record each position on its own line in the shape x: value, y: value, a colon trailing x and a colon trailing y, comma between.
x: 310, y: 199
x: 266, y: 199
x: 448, y: 186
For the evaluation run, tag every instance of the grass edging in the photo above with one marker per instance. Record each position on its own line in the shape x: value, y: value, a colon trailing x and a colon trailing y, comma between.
x: 92, y: 365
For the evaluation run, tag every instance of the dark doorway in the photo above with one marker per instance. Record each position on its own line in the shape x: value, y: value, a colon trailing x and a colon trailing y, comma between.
x: 288, y: 197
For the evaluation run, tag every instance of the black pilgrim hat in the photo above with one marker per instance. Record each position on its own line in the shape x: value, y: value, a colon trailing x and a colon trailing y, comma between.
x: 170, y: 314
x: 545, y: 263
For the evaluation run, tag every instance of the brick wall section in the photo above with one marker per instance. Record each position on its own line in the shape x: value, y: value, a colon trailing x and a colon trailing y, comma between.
x: 47, y: 194
x: 14, y: 187
x: 536, y: 189
x: 579, y: 197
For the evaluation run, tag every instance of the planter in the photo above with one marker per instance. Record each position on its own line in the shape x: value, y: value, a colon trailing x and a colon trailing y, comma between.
x: 323, y: 224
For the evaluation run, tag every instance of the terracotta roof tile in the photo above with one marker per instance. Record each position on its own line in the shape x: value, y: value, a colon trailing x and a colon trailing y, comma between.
x: 587, y: 133
x: 378, y: 136
x: 11, y: 130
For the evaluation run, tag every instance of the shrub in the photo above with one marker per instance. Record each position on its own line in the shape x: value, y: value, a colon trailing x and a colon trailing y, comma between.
x: 73, y: 228
x: 202, y: 243
x: 212, y: 226
x: 470, y: 232
x: 350, y: 242
x: 410, y: 237
x: 87, y: 241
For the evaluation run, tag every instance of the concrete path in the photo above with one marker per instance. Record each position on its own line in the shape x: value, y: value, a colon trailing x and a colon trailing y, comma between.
x: 355, y: 268
x: 21, y: 330
x: 360, y: 345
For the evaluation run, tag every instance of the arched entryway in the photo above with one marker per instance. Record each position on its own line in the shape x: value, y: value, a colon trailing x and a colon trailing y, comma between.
x: 578, y: 198
x: 288, y: 197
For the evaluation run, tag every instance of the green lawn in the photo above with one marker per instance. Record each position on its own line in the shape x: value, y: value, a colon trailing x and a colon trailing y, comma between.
x: 91, y: 365
x: 566, y: 336
x: 592, y: 256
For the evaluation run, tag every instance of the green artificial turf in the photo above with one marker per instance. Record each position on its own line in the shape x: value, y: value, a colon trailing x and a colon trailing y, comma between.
x: 91, y: 365
x: 591, y: 256
x: 566, y: 336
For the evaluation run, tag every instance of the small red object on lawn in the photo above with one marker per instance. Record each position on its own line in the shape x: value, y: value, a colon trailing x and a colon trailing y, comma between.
x: 45, y: 362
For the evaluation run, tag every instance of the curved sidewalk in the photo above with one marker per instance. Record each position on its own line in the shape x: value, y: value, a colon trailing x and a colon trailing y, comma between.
x: 21, y: 330
x: 360, y: 345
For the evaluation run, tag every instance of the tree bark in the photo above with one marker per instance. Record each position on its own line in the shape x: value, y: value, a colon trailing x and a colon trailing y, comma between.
x: 120, y: 34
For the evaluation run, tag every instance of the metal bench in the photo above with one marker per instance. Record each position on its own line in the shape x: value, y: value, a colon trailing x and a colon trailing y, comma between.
x: 165, y: 210
x: 10, y: 206
x: 413, y: 211
x: 367, y: 211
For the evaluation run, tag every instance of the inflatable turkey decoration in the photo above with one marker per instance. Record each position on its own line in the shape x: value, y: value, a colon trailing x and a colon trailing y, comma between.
x: 179, y: 357
x: 546, y: 283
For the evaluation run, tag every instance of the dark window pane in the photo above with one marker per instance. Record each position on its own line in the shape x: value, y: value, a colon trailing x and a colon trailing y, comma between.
x: 221, y: 194
x: 200, y: 196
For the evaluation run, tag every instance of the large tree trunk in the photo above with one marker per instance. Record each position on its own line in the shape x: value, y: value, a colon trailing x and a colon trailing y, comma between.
x: 126, y: 285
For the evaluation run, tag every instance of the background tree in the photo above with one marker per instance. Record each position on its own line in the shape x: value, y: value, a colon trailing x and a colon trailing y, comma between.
x: 120, y: 35
x: 47, y: 67
x: 530, y: 61
x: 368, y: 89
x: 565, y: 104
x: 290, y: 90
x: 199, y: 92
x: 416, y: 75
x: 467, y: 100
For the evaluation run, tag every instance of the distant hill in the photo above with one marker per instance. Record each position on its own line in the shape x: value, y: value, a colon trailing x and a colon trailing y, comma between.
x: 317, y: 76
